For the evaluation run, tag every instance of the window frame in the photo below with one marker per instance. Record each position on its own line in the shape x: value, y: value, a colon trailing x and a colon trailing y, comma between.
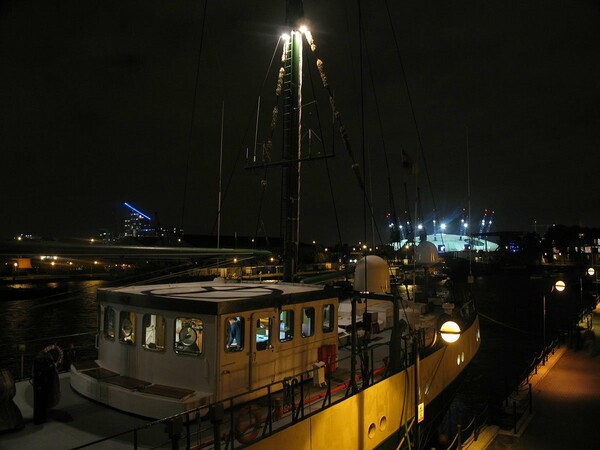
x: 310, y: 322
x: 227, y: 328
x: 105, y: 325
x: 192, y: 324
x: 331, y: 322
x: 288, y: 335
x: 124, y: 337
x: 164, y: 333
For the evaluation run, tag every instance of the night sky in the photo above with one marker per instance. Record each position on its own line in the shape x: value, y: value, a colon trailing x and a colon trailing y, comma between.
x: 96, y: 101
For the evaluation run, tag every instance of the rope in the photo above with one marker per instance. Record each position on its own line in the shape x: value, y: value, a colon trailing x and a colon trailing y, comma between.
x: 245, y: 135
x: 497, y: 322
x: 327, y: 170
x: 410, y: 102
x: 193, y: 116
x: 342, y: 128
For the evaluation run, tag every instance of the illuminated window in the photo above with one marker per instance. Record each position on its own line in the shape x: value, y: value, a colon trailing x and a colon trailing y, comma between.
x: 127, y: 327
x: 263, y: 333
x: 308, y: 322
x: 188, y: 335
x: 109, y: 322
x: 328, y: 316
x: 234, y: 334
x: 153, y: 332
x: 286, y: 325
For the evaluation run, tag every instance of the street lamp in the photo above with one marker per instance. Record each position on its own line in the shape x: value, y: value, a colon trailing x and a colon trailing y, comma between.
x: 559, y: 286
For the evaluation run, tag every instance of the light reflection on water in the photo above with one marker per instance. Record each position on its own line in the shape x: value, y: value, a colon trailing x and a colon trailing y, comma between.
x: 35, y: 314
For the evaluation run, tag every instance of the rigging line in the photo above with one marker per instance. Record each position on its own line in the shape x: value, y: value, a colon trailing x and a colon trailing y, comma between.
x: 193, y: 115
x: 241, y: 146
x: 344, y: 134
x: 259, y: 215
x: 335, y: 213
x: 502, y: 324
x: 76, y: 295
x: 380, y: 123
x: 410, y: 102
x: 362, y: 121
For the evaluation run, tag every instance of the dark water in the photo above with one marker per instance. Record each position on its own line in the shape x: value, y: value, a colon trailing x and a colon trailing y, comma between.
x: 38, y: 314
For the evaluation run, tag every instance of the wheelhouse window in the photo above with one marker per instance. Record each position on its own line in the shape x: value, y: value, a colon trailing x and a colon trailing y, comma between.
x: 109, y: 322
x: 308, y: 322
x: 263, y: 333
x: 328, y: 318
x: 188, y: 335
x: 286, y: 325
x: 127, y: 327
x: 234, y: 334
x: 153, y: 332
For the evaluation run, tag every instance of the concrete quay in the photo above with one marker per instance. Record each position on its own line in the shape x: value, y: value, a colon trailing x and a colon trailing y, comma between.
x: 565, y: 404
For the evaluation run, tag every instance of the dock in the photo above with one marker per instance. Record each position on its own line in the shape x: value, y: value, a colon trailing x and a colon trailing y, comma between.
x: 565, y: 404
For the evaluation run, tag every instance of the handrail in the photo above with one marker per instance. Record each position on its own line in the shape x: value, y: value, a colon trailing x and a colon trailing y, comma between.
x: 20, y: 363
x: 478, y: 422
x: 294, y: 410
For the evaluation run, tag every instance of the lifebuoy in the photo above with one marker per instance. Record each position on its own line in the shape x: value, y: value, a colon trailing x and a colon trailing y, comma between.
x: 248, y: 424
x: 53, y: 347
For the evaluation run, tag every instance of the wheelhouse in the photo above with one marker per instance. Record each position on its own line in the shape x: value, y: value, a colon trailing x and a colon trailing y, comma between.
x: 168, y: 348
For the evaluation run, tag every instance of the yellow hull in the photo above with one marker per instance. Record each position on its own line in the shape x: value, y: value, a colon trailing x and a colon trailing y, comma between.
x: 374, y: 416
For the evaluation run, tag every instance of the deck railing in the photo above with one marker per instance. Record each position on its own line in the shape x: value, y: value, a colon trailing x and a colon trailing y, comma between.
x: 65, y: 349
x: 233, y: 423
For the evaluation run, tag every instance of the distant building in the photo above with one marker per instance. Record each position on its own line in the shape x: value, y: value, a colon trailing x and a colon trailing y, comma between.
x: 28, y: 237
x: 448, y: 242
x: 137, y: 223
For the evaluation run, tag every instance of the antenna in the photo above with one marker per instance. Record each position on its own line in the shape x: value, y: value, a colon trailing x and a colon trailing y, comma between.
x: 220, y: 179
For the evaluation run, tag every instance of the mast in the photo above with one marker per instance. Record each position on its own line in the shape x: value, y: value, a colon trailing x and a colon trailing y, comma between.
x: 292, y: 115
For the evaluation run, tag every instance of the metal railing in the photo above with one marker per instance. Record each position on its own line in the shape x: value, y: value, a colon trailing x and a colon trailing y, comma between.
x: 235, y: 423
x: 470, y: 433
x: 67, y: 349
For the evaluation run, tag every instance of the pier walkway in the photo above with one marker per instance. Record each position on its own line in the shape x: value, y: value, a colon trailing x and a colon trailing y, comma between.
x: 566, y: 404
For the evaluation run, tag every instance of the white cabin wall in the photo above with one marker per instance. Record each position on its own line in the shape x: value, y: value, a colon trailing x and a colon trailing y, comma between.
x: 196, y: 372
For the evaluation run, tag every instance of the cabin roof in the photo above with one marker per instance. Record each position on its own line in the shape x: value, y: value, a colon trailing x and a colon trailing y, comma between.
x: 215, y: 297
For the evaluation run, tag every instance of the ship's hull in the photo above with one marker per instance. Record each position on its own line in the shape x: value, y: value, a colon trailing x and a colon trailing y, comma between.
x: 378, y: 416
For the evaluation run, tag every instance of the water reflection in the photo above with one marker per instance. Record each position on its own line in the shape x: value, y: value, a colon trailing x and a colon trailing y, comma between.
x: 38, y: 314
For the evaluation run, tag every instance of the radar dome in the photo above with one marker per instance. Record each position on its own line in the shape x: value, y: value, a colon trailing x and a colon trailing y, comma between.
x: 426, y: 253
x: 372, y: 274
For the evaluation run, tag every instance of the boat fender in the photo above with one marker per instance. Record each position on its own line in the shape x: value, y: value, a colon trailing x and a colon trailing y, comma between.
x: 56, y: 352
x: 248, y: 423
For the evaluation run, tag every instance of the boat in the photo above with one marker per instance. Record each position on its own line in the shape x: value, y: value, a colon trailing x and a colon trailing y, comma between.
x: 283, y: 364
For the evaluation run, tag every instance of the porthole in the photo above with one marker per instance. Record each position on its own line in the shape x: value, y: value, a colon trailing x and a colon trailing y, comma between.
x: 372, y: 429
x: 383, y: 423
